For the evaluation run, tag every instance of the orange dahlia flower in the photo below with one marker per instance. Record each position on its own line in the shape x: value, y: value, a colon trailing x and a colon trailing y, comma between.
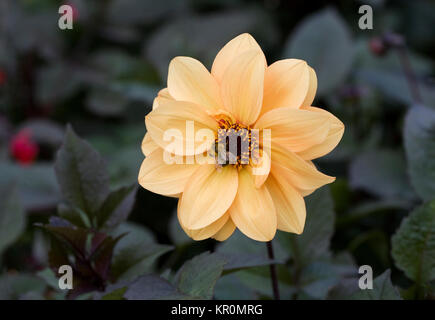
x: 240, y: 95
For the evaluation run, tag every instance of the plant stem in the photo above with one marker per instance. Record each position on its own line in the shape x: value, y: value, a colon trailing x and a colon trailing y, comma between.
x: 409, y: 74
x: 397, y: 42
x: 273, y: 275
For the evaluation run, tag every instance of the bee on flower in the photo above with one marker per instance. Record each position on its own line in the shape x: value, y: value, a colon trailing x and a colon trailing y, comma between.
x: 243, y: 137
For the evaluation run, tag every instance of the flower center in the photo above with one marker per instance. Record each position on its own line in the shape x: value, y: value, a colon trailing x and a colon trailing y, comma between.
x: 236, y: 144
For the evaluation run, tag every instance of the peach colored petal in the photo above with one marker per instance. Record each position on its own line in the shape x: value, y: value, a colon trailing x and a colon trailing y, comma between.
x: 189, y: 80
x: 207, y: 196
x: 312, y: 89
x: 295, y: 129
x: 253, y: 211
x: 242, y: 86
x: 167, y: 179
x: 148, y: 145
x: 226, y: 231
x: 176, y: 123
x: 286, y: 84
x: 334, y: 136
x: 208, y: 231
x: 301, y: 174
x: 237, y: 46
x: 289, y: 204
x: 162, y: 97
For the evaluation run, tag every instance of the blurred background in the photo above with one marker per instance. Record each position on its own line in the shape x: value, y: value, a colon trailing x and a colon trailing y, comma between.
x: 102, y: 76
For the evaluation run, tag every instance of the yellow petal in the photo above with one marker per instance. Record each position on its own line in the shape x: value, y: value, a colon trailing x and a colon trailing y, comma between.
x: 189, y: 80
x: 176, y: 123
x: 207, y: 196
x: 295, y: 129
x: 209, y: 231
x: 289, y: 205
x: 233, y: 49
x: 162, y: 97
x: 226, y: 231
x: 286, y: 84
x: 167, y: 179
x: 311, y: 89
x: 242, y: 86
x: 253, y: 211
x: 301, y: 174
x: 148, y: 145
x: 334, y: 136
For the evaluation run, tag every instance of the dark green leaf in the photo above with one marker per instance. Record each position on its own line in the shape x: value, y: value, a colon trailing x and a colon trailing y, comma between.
x: 382, y: 173
x: 323, y: 40
x: 74, y: 215
x: 202, y: 36
x: 36, y: 184
x: 12, y: 217
x: 419, y: 136
x: 49, y: 277
x: 413, y: 245
x: 313, y: 243
x: 72, y: 237
x: 16, y: 286
x: 152, y: 287
x: 82, y: 174
x: 136, y: 253
x: 318, y: 278
x: 383, y: 289
x: 102, y: 257
x: 231, y: 288
x: 241, y: 252
x: 197, y: 277
x: 116, y: 207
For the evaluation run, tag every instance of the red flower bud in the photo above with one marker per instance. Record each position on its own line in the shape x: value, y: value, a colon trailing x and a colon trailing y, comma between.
x: 377, y: 46
x: 23, y: 148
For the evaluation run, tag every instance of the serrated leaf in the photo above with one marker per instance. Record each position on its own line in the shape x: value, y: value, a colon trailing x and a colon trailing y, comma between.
x: 323, y: 40
x: 152, y: 287
x: 12, y: 217
x: 102, y: 256
x: 73, y: 238
x: 313, y: 243
x: 74, y: 215
x: 413, y: 244
x: 57, y: 255
x: 82, y: 174
x: 136, y: 253
x: 198, y: 276
x: 419, y: 136
x: 383, y: 289
x: 116, y: 207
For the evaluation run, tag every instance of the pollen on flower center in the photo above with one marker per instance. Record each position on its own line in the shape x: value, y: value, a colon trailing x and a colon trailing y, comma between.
x: 236, y: 144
